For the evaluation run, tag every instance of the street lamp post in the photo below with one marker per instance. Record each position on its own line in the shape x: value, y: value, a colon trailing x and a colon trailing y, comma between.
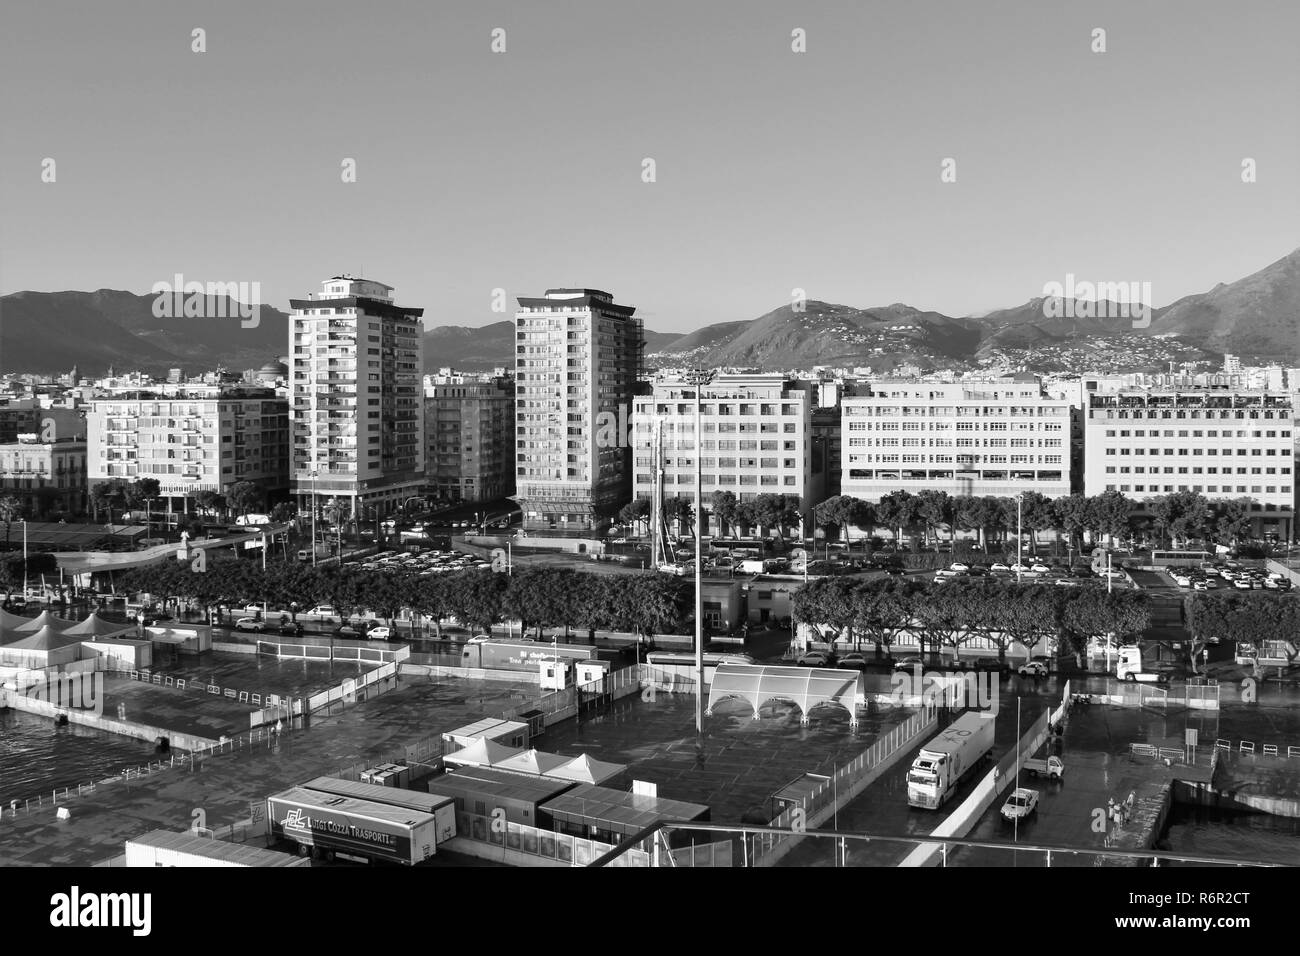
x: 24, y: 520
x: 313, y: 475
x: 1019, y: 540
x: 699, y: 378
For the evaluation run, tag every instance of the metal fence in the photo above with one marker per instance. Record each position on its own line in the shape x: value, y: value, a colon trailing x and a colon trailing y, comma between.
x: 532, y: 841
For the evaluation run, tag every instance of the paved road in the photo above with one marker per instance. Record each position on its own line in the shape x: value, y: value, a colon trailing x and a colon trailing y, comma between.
x: 883, y: 808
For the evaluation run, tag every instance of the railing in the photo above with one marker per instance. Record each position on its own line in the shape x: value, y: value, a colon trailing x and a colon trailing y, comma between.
x: 1247, y: 748
x: 842, y: 841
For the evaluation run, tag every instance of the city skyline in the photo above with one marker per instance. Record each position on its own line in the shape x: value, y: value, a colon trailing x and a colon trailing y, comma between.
x: 817, y: 170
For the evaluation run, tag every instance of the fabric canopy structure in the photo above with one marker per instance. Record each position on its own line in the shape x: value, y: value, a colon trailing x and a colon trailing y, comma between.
x: 585, y: 770
x: 532, y: 761
x: 96, y: 626
x: 481, y: 753
x: 11, y: 622
x: 44, y: 619
x: 43, y: 648
x: 806, y: 687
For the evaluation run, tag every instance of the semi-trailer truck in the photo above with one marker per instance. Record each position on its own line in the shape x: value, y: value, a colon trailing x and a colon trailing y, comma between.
x: 1129, y: 668
x: 443, y: 809
x: 943, y: 763
x: 325, y: 824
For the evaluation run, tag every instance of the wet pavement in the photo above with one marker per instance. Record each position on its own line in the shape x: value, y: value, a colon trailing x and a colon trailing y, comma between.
x: 737, y: 765
x: 223, y: 786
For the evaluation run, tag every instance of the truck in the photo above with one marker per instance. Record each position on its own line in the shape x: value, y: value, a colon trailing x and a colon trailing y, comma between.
x: 323, y: 825
x: 758, y: 566
x: 1129, y: 667
x: 942, y: 764
x: 442, y: 808
x: 1051, y: 767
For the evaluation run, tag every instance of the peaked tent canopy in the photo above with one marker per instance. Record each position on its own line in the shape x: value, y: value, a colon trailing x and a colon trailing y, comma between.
x: 481, y: 753
x: 585, y: 770
x: 45, y: 619
x: 532, y: 761
x: 96, y: 626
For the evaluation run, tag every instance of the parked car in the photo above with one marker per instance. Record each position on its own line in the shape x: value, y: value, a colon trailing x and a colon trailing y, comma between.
x: 1020, y: 804
x: 347, y: 630
x: 854, y: 660
x: 958, y: 566
x: 999, y: 566
x: 907, y: 663
x: 815, y: 659
x: 379, y: 632
x: 618, y: 541
x: 250, y: 624
x: 291, y: 628
x: 1040, y: 569
x: 1034, y: 669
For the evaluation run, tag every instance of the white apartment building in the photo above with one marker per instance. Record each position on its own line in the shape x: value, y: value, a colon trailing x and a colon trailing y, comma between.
x: 1223, y: 443
x: 357, y: 415
x: 578, y: 356
x: 205, y: 439
x: 756, y: 438
x: 996, y: 437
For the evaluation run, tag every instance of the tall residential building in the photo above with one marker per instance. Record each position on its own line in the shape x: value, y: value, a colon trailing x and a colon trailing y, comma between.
x: 469, y: 424
x: 756, y: 438
x: 1222, y: 443
x: 194, y: 438
x: 997, y: 437
x: 355, y: 361
x: 578, y: 356
x: 46, y: 477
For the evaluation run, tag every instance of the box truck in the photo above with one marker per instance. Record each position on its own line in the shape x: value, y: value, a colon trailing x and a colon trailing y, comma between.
x: 943, y: 763
x: 324, y: 824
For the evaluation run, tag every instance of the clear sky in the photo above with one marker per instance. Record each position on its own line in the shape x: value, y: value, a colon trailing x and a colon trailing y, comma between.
x: 775, y: 170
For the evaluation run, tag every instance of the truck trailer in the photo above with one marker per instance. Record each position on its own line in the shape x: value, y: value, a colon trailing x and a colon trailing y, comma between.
x: 443, y: 809
x: 943, y: 763
x: 325, y: 824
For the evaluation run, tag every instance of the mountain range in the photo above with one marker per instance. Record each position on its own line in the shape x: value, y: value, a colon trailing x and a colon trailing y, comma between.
x: 1256, y: 317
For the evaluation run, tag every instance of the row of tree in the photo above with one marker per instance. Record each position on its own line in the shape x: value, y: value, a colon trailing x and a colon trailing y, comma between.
x: 118, y: 494
x: 538, y: 597
x: 1175, y: 517
x: 953, y: 614
x: 781, y: 512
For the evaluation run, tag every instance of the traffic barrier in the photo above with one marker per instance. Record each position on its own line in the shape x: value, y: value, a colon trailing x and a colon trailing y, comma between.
x: 1270, y: 750
x: 1247, y: 747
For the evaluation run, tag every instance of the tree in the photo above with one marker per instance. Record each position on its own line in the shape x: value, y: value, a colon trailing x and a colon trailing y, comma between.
x: 682, y: 511
x: 11, y: 509
x: 635, y: 512
x: 147, y: 490
x: 1182, y: 515
x: 724, y: 508
x: 898, y: 511
x: 829, y: 602
x: 246, y: 496
x: 209, y: 502
x: 935, y: 509
x: 1232, y: 520
x: 976, y: 514
x: 1036, y: 514
x: 1109, y: 513
x: 834, y: 515
x: 1017, y: 613
x: 883, y: 609
x: 1070, y: 516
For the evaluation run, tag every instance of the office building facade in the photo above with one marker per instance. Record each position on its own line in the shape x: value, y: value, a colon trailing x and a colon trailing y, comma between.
x: 998, y: 437
x: 469, y: 436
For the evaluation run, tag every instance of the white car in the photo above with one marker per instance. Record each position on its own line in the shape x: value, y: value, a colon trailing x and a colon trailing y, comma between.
x: 1040, y: 569
x: 943, y: 574
x: 1032, y: 669
x: 958, y: 566
x: 1112, y: 573
x: 815, y: 659
x: 250, y: 624
x: 380, y: 633
x: 1020, y: 804
x: 1020, y: 567
x: 1201, y: 586
x: 998, y: 566
x: 618, y: 541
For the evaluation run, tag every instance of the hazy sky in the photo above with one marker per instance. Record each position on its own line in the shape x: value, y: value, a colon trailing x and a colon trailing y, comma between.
x: 775, y: 170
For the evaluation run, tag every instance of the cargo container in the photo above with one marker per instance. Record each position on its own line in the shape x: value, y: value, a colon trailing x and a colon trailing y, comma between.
x: 943, y: 763
x: 324, y: 824
x: 442, y: 808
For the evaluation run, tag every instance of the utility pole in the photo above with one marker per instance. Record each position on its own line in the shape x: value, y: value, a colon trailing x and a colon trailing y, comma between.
x: 699, y: 378
x: 313, y: 474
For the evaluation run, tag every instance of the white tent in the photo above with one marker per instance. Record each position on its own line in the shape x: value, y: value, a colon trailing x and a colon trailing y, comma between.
x: 585, y: 770
x: 532, y: 761
x: 96, y: 626
x: 45, y: 619
x: 43, y: 648
x: 481, y: 753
